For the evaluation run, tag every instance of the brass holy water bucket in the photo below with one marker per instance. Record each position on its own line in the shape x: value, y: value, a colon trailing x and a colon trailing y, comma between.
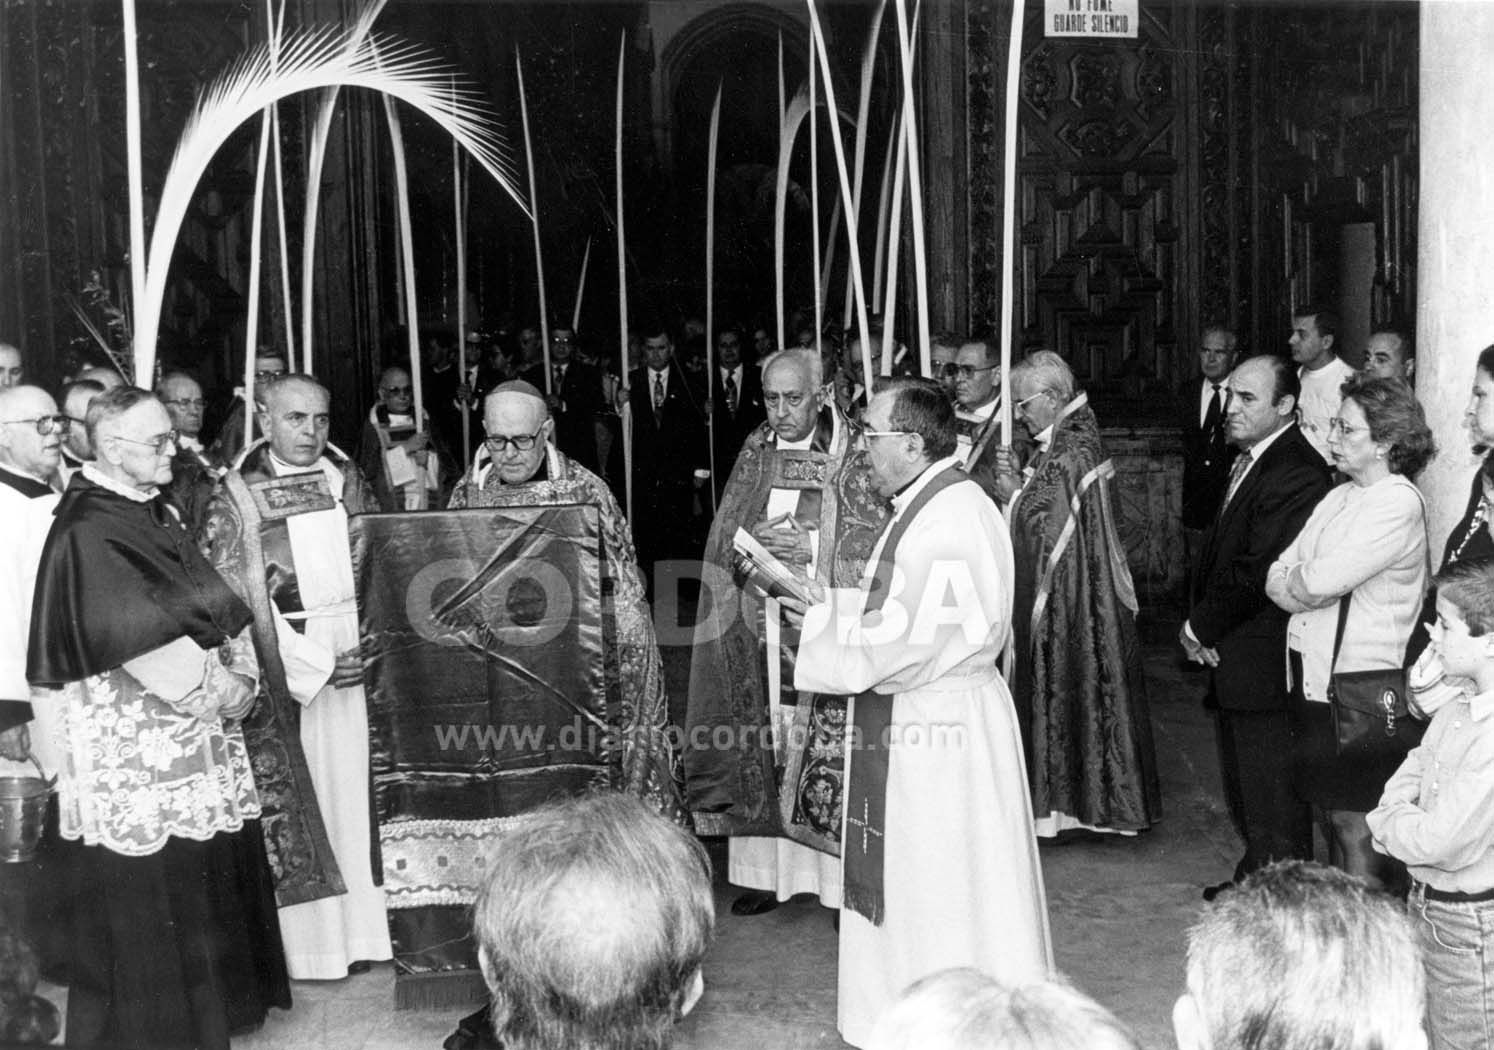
x: 23, y: 812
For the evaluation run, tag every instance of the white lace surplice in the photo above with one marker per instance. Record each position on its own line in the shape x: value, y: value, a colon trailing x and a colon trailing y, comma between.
x: 138, y: 770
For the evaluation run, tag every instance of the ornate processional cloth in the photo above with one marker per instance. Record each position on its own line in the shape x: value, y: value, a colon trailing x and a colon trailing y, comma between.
x: 789, y: 784
x: 484, y: 662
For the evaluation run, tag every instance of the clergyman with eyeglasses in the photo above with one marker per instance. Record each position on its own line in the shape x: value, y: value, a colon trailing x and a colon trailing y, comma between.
x: 194, y: 472
x: 142, y: 653
x: 518, y: 465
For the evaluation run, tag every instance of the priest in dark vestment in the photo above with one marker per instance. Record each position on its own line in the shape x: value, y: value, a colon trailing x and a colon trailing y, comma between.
x: 145, y: 651
x: 518, y: 465
x: 1078, y: 682
x: 803, y: 488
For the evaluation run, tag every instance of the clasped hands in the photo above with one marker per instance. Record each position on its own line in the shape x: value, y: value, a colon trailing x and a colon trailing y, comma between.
x: 788, y: 541
x: 1196, y: 651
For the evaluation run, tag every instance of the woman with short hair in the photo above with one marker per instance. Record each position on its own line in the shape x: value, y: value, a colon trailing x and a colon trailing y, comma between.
x: 1366, y: 541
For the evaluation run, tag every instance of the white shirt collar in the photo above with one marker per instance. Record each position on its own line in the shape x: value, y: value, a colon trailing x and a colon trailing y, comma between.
x: 1260, y: 446
x: 186, y: 441
x: 1044, y: 437
x: 18, y: 472
x: 902, y: 499
x: 104, y: 481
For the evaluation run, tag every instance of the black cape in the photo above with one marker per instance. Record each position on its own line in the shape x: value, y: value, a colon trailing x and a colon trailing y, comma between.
x: 119, y: 578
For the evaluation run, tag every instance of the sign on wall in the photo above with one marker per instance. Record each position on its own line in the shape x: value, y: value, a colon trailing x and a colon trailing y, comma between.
x: 1091, y: 18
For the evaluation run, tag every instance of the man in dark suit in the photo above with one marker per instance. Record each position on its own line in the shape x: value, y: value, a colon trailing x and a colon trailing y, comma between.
x: 736, y: 404
x: 671, y: 459
x: 1235, y: 630
x: 1207, y: 454
x: 575, y: 399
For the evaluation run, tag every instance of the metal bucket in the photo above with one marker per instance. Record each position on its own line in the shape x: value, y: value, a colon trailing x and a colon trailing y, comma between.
x: 23, y: 811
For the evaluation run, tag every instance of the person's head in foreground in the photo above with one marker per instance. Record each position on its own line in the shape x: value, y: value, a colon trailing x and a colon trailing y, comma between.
x: 1300, y: 956
x: 591, y: 926
x: 965, y: 1009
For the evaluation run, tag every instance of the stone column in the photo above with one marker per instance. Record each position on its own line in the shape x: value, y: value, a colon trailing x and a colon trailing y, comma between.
x: 1455, y: 239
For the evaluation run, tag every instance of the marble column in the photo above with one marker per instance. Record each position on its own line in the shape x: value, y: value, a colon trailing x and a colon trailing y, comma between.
x: 1455, y: 239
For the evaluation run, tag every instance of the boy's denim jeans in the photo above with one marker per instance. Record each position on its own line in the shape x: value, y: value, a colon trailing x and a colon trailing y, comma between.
x: 1457, y: 946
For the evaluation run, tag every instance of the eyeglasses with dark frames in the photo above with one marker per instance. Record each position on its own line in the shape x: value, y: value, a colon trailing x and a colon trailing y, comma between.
x: 185, y: 402
x: 46, y: 424
x: 523, y: 442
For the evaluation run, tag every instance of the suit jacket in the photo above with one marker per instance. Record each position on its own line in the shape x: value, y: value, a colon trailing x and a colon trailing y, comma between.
x: 668, y: 450
x: 1207, y: 457
x: 731, y: 428
x: 580, y: 402
x: 1231, y: 612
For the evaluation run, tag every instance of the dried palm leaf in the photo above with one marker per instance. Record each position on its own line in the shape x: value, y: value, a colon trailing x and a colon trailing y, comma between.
x: 863, y: 113
x: 1009, y: 218
x: 915, y: 185
x: 308, y: 61
x: 626, y: 408
x: 534, y: 222
x: 710, y: 280
x: 143, y: 376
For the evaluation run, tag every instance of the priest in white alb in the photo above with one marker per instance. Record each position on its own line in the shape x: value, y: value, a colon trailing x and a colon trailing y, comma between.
x: 940, y: 861
x: 278, y: 532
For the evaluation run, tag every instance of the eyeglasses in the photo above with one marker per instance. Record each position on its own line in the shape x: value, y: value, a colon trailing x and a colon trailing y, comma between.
x: 186, y: 402
x: 1029, y: 397
x: 885, y: 433
x: 46, y: 424
x: 158, y: 444
x: 968, y: 371
x: 1338, y: 426
x: 398, y: 391
x: 523, y: 443
x: 272, y: 374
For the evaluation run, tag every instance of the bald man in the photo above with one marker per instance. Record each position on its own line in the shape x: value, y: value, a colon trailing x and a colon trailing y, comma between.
x: 518, y: 465
x: 278, y: 532
x: 31, y: 432
x: 803, y: 489
x: 399, y: 459
x: 1388, y: 355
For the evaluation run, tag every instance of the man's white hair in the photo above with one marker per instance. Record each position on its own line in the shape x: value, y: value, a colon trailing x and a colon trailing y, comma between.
x: 1049, y: 372
x: 965, y: 1009
x: 807, y: 359
x: 1301, y: 956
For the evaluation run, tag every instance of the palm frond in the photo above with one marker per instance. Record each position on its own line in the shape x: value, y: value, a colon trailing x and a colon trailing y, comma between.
x: 539, y: 255
x: 316, y: 159
x: 863, y: 112
x: 915, y: 186
x: 788, y: 130
x: 310, y: 61
x: 821, y: 51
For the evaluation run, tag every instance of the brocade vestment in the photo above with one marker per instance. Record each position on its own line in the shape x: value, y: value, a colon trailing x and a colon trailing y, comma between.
x: 783, y: 779
x: 735, y: 790
x: 278, y: 533
x: 1078, y: 686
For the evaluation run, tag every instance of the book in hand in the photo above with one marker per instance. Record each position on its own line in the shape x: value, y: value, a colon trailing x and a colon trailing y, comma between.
x: 765, y: 572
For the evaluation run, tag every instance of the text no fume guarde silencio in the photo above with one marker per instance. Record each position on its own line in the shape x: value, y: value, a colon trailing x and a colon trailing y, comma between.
x: 1090, y: 16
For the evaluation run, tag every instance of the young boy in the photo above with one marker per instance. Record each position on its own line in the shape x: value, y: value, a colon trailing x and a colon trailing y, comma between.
x: 1437, y: 815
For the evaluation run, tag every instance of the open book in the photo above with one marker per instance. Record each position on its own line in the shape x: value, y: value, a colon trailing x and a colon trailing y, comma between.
x: 766, y: 572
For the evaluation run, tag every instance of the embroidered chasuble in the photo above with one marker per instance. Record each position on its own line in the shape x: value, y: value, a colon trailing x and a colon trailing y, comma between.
x: 960, y: 880
x: 279, y: 534
x: 784, y: 779
x: 1078, y: 681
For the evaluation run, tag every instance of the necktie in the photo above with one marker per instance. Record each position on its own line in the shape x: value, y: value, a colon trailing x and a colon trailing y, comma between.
x: 560, y: 377
x: 1236, y: 474
x: 658, y: 393
x: 1212, y: 414
x: 731, y: 394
